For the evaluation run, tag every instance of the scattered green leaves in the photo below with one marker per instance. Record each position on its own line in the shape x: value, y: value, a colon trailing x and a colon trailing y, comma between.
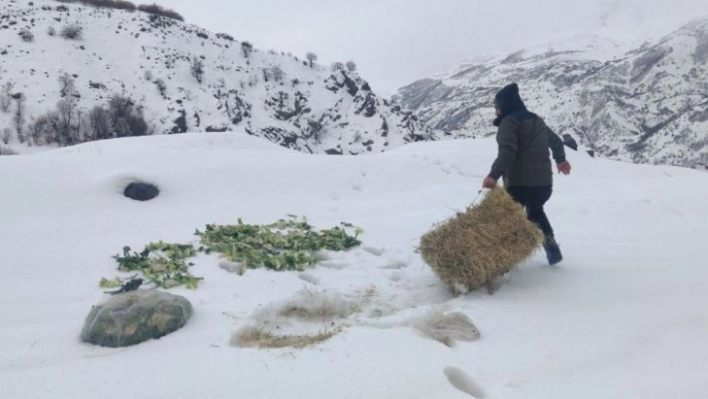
x: 283, y: 245
x: 162, y: 264
x: 106, y: 283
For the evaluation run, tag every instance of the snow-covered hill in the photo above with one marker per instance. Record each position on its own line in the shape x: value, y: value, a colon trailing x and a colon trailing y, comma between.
x: 623, y: 316
x: 647, y: 104
x: 147, y: 60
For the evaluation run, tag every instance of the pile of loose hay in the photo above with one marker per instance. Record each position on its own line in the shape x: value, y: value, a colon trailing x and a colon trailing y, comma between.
x: 311, y: 317
x: 472, y: 249
x: 254, y: 337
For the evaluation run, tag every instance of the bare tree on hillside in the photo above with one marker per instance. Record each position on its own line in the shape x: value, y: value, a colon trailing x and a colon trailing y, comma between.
x: 161, y: 11
x: 337, y: 66
x: 6, y: 96
x: 72, y: 32
x: 311, y: 57
x: 117, y: 4
x: 67, y: 87
x: 277, y: 72
x: 36, y: 129
x: 197, y: 68
x: 351, y: 66
x: 26, y: 35
x: 266, y: 74
x: 19, y: 118
x: 161, y: 86
x: 6, y: 134
x: 246, y: 48
x: 99, y: 123
x: 64, y: 123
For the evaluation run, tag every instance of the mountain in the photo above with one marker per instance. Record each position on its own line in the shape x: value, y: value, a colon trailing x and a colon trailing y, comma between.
x: 648, y: 104
x: 162, y: 75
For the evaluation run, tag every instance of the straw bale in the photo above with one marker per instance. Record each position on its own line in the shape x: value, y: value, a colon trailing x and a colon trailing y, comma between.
x: 471, y: 249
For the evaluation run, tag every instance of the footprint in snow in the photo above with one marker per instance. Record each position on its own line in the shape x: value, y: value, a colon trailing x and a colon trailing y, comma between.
x: 334, y: 265
x: 446, y: 328
x: 396, y: 276
x: 304, y: 276
x: 395, y: 265
x: 463, y: 382
x: 374, y: 251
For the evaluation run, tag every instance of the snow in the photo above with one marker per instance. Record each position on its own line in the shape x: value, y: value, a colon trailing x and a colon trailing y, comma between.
x: 622, y: 316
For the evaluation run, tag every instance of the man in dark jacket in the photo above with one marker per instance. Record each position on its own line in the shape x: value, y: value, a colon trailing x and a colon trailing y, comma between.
x: 524, y: 161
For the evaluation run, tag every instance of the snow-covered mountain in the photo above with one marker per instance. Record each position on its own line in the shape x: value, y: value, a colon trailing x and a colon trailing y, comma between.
x: 646, y: 105
x: 178, y: 78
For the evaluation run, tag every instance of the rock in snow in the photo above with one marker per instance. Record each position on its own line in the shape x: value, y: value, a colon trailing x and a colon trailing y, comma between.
x: 134, y: 317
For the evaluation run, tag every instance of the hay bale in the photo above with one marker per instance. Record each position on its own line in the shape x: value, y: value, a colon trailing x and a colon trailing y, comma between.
x: 473, y: 248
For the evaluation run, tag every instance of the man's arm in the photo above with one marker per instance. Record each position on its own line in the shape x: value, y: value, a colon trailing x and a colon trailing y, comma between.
x: 558, y: 150
x: 507, y: 141
x: 556, y: 145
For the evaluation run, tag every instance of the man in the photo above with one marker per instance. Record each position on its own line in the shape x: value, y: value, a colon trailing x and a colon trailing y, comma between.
x: 524, y: 161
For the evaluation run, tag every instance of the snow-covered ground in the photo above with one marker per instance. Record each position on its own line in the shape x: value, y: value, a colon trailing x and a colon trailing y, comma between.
x: 623, y: 316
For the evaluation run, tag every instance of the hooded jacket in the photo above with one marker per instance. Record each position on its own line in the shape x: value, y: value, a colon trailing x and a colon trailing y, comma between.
x: 523, y: 140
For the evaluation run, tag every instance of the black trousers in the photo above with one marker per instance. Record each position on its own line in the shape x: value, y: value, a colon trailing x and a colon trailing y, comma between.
x: 533, y: 199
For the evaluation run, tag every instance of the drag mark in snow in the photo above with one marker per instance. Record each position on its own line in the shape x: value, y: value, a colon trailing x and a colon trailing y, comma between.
x: 337, y: 265
x: 460, y: 380
x: 396, y: 276
x: 309, y: 278
x: 446, y: 328
x: 395, y: 264
x: 374, y: 251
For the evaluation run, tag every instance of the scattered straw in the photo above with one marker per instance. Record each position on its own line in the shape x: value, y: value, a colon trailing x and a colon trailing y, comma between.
x: 315, y: 306
x: 258, y: 337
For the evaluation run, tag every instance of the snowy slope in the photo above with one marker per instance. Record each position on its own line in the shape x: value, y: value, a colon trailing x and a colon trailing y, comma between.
x: 311, y: 109
x: 645, y: 105
x: 622, y: 317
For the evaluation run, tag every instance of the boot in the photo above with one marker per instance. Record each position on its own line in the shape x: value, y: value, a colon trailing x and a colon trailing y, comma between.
x: 553, y: 252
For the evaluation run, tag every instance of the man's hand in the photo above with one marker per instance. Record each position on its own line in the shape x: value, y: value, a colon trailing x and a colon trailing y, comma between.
x: 564, y: 167
x: 489, y: 182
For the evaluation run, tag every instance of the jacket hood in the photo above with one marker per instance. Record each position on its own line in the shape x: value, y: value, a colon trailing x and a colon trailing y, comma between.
x: 508, y: 101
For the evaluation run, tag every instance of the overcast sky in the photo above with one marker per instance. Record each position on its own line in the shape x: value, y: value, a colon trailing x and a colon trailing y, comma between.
x: 395, y: 42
